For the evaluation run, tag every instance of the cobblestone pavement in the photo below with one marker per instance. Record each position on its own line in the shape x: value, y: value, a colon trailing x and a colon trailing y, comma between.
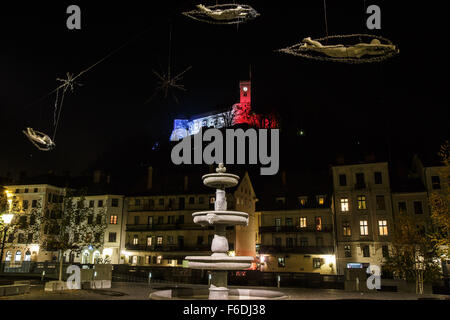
x: 141, y: 291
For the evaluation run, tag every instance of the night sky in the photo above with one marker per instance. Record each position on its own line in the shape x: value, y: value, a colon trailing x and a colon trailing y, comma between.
x: 403, y: 101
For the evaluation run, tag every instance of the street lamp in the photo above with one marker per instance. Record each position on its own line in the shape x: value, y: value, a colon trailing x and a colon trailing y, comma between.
x: 6, y: 218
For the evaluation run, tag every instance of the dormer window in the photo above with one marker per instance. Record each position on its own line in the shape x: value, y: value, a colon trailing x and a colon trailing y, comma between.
x: 303, y: 200
x: 321, y: 200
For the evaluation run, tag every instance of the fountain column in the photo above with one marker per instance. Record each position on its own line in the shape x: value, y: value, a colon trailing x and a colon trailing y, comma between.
x: 219, y: 262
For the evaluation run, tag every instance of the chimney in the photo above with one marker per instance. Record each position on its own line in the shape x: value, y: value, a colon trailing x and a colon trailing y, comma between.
x: 150, y: 178
x: 186, y: 183
x: 97, y: 176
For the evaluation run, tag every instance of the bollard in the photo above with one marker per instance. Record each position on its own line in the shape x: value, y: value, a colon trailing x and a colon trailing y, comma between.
x: 149, y: 277
x: 209, y: 279
x: 43, y: 275
x: 278, y: 280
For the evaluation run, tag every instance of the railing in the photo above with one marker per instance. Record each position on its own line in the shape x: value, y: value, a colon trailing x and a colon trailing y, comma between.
x: 284, y: 229
x: 297, y: 249
x: 174, y: 226
x: 169, y: 248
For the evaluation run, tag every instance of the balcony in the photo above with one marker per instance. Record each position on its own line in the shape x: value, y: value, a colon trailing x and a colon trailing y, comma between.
x: 167, y: 248
x: 163, y: 227
x: 296, y: 249
x: 294, y: 229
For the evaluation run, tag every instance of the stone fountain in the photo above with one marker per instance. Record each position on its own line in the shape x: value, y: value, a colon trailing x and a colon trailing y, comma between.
x: 219, y: 262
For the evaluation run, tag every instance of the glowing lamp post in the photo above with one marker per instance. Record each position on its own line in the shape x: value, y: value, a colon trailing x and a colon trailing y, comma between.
x: 6, y: 218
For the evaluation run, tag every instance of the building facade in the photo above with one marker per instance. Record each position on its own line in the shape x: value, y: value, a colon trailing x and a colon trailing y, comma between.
x: 363, y: 214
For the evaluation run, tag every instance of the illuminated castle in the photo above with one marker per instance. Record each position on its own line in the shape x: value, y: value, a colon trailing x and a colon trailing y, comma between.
x: 240, y: 113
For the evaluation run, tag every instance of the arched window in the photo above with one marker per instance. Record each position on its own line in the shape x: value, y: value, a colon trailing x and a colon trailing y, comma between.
x: 27, y: 256
x: 85, y: 257
x: 8, y: 256
x: 96, y: 256
x: 18, y: 257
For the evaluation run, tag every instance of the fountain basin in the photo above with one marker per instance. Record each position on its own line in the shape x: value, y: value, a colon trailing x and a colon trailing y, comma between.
x: 221, y: 263
x: 186, y: 293
x: 231, y: 218
x: 220, y: 180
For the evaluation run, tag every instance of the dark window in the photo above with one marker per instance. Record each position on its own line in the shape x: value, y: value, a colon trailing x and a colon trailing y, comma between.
x: 91, y: 203
x: 281, y: 262
x: 161, y: 201
x: 319, y: 241
x: 200, y: 240
x: 360, y: 182
x: 21, y: 238
x: 277, y: 224
x: 366, y: 251
x: 378, y: 178
x: 289, y: 242
x: 191, y: 200
x: 17, y: 191
x: 100, y: 203
x: 136, y: 219
x: 76, y: 237
x: 99, y: 219
x: 342, y: 180
x: 112, y: 237
x: 418, y: 207
x: 436, y: 182
x: 180, y: 219
x: 49, y: 197
x: 348, y: 251
x: 402, y: 207
x: 278, y: 242
x: 288, y: 222
x: 317, y: 263
x: 114, y: 202
x: 137, y: 202
x: 32, y: 220
x: 210, y: 239
x: 381, y: 205
x: 90, y: 219
x: 385, y: 251
x: 303, y: 242
x: 34, y: 204
x: 30, y: 238
x: 160, y: 220
x: 55, y: 198
x: 36, y: 190
x: 25, y: 204
x: 201, y: 200
x: 26, y: 190
x: 181, y: 203
x: 97, y: 237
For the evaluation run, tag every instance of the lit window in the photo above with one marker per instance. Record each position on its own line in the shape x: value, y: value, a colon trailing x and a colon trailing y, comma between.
x: 8, y: 256
x: 363, y: 228
x: 159, y: 240
x: 281, y: 262
x: 321, y: 200
x: 362, y: 203
x: 347, y: 229
x: 113, y: 220
x: 382, y: 226
x: 149, y: 241
x: 344, y: 205
x: 159, y: 259
x: 135, y: 239
x: 319, y: 223
x: 18, y: 256
x: 303, y: 201
x: 303, y: 222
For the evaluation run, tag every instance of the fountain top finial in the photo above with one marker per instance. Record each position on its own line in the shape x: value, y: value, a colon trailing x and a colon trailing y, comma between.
x: 221, y: 168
